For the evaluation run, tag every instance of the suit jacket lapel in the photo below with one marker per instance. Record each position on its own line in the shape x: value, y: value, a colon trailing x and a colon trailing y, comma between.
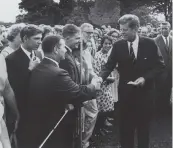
x: 170, y: 46
x: 139, y: 47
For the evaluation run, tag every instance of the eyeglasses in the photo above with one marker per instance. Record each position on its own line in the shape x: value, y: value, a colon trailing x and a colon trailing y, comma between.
x: 88, y: 32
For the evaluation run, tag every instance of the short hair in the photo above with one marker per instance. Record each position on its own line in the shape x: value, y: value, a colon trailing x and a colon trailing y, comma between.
x: 58, y: 28
x: 49, y: 43
x: 46, y: 29
x: 144, y: 28
x: 103, y: 40
x: 13, y: 31
x: 132, y: 20
x: 165, y: 23
x: 86, y: 25
x: 112, y: 31
x: 30, y: 30
x: 70, y: 30
x: 149, y: 24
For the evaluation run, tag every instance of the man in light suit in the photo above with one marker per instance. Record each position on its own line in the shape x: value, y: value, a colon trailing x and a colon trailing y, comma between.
x: 164, y: 80
x: 51, y: 88
x: 19, y: 65
x: 138, y: 62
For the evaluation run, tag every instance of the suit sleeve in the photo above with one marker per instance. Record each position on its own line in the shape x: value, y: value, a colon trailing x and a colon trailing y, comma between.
x: 158, y: 63
x: 72, y: 92
x: 68, y: 66
x: 110, y: 65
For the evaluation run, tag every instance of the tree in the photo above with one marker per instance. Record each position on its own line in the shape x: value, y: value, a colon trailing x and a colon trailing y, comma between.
x: 146, y: 16
x: 40, y: 11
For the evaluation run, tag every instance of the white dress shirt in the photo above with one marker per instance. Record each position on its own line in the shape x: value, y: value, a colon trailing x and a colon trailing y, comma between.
x: 27, y: 52
x: 164, y: 38
x: 68, y: 48
x: 52, y: 61
x: 135, y: 44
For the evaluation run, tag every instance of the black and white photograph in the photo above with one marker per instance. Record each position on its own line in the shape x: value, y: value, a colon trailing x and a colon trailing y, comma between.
x: 86, y: 73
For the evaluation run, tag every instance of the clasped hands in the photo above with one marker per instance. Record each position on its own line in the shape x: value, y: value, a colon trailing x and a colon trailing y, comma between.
x: 138, y: 82
x: 96, y: 81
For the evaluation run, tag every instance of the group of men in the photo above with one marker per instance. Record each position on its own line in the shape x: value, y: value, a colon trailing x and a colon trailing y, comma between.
x: 44, y: 86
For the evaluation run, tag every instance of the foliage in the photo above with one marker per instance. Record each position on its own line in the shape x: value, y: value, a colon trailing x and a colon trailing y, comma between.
x: 146, y: 16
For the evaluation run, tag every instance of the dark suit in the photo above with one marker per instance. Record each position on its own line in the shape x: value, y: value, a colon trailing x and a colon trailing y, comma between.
x: 69, y: 64
x: 50, y: 89
x: 164, y: 80
x: 135, y: 102
x: 18, y: 74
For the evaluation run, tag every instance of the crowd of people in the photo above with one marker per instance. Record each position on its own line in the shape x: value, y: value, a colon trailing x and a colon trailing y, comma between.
x: 47, y: 70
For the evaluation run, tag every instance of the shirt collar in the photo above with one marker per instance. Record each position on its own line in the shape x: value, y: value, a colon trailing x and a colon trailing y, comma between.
x: 165, y: 37
x: 136, y: 41
x: 57, y: 64
x: 27, y: 52
x: 68, y: 48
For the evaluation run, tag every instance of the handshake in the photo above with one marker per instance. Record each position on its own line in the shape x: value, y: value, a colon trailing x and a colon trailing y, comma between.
x: 96, y: 81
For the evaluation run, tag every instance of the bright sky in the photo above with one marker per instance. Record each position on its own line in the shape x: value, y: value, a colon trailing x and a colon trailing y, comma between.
x: 9, y: 9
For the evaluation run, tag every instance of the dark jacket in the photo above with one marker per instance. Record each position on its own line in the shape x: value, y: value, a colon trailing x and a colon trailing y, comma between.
x: 51, y: 88
x: 148, y: 64
x: 70, y: 66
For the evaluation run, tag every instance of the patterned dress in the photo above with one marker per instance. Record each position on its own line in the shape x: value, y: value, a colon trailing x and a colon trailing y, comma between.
x: 104, y: 97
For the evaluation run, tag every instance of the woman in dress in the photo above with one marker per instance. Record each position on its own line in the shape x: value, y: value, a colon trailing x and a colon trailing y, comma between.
x: 104, y: 97
x: 14, y: 41
x: 6, y: 93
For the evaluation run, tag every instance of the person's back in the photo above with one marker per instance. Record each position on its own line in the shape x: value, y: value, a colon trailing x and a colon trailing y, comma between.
x: 45, y: 107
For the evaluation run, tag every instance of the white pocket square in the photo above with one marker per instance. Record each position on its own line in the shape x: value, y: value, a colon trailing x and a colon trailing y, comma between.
x: 145, y: 58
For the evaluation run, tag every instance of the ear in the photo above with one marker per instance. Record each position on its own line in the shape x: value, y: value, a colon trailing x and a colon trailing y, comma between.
x: 25, y: 38
x: 56, y: 50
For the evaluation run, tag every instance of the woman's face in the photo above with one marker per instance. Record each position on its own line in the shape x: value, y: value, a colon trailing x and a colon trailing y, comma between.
x: 114, y: 36
x: 107, y: 45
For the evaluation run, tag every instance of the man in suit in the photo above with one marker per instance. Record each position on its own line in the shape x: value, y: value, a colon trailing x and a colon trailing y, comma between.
x: 164, y: 80
x: 51, y: 88
x: 138, y: 62
x: 19, y: 65
x: 71, y: 34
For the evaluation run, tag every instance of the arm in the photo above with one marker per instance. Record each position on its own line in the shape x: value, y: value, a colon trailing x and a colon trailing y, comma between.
x: 4, y: 138
x: 68, y: 66
x: 10, y: 99
x: 158, y: 64
x: 71, y: 91
x: 110, y: 65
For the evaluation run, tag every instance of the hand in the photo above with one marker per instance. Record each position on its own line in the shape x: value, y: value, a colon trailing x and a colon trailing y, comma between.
x: 100, y: 79
x: 138, y: 82
x: 33, y: 62
x: 110, y: 80
x: 69, y: 107
x: 96, y: 82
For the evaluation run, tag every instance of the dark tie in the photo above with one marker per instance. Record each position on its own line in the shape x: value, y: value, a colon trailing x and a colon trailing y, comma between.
x: 166, y: 43
x: 132, y: 55
x: 31, y: 55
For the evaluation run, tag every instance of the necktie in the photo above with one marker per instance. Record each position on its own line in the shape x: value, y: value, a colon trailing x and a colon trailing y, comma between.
x: 166, y: 42
x: 31, y: 55
x: 132, y: 52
